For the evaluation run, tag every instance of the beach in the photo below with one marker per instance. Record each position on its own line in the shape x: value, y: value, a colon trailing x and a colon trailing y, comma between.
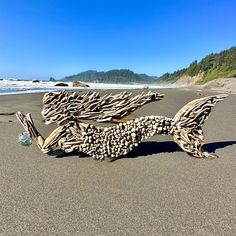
x: 156, y: 190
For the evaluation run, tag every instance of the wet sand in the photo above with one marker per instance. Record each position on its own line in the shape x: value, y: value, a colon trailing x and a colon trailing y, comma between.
x: 156, y: 190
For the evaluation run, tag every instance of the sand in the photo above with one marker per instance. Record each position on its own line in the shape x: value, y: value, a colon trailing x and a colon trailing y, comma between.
x: 158, y: 190
x: 222, y: 84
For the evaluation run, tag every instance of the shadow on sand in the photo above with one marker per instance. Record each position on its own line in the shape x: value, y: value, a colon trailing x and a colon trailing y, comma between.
x: 150, y: 148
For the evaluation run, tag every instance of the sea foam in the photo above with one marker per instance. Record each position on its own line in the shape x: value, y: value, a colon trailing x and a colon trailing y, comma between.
x: 8, y: 87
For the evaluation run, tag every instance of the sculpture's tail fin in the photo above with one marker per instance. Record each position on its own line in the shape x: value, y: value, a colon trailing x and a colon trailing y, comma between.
x: 187, y: 131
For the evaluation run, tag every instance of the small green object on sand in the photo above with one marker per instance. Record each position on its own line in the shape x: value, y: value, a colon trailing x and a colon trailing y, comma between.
x: 24, y: 139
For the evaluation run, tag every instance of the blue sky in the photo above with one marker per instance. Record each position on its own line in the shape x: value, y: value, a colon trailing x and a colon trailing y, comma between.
x: 43, y: 38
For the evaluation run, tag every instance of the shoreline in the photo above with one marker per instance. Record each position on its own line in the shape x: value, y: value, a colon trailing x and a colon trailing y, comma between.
x: 25, y: 87
x: 156, y: 189
x: 224, y: 85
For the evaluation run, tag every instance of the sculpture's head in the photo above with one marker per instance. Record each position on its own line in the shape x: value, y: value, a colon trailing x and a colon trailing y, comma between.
x: 53, y: 107
x: 51, y: 96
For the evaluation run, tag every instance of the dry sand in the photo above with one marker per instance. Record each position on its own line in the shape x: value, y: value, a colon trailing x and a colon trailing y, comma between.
x: 223, y: 85
x: 159, y: 190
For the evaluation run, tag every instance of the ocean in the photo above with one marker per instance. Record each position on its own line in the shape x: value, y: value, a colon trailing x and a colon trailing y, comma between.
x: 8, y: 87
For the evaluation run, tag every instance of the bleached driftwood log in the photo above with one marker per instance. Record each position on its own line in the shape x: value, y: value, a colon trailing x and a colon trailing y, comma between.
x: 113, y: 142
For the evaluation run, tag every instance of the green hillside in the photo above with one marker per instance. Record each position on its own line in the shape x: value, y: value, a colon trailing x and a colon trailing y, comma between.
x: 215, y: 65
x: 112, y: 76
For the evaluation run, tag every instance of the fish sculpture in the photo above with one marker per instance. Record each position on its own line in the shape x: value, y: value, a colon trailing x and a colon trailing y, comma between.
x: 110, y: 143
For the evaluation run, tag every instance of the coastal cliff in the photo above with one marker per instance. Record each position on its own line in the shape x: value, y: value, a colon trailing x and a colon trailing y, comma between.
x: 211, y: 67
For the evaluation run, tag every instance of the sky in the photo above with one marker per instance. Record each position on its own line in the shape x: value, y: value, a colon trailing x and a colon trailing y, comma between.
x: 55, y: 38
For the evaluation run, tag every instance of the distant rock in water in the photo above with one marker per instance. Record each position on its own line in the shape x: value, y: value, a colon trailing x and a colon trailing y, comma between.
x: 79, y: 84
x: 51, y: 79
x: 61, y: 84
x: 35, y: 81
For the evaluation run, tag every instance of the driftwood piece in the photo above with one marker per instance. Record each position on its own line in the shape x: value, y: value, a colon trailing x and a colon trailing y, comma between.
x: 113, y: 142
x: 7, y: 113
x: 28, y: 124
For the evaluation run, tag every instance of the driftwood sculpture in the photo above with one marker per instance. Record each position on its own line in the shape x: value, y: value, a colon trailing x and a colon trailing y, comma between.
x: 115, y: 141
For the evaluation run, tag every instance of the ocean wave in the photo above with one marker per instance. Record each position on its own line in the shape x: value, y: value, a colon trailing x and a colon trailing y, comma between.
x: 8, y: 87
